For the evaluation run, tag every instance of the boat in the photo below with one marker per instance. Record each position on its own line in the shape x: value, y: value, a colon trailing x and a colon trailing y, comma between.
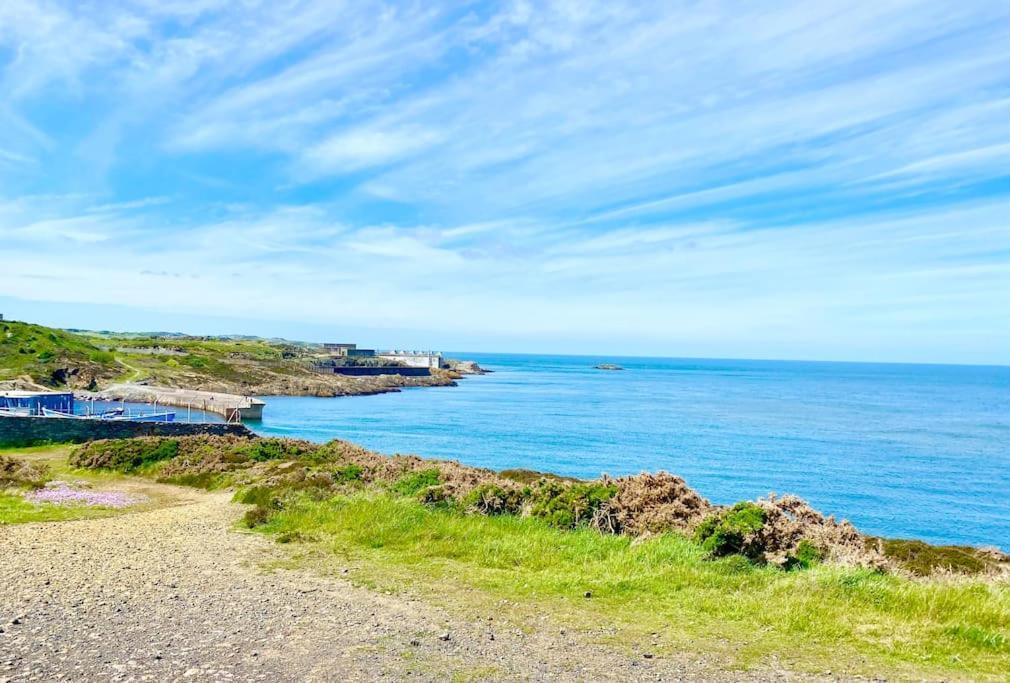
x: 150, y: 417
x: 46, y: 412
x: 117, y: 415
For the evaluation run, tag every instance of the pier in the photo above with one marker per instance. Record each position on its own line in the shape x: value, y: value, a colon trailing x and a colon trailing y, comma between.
x: 232, y: 407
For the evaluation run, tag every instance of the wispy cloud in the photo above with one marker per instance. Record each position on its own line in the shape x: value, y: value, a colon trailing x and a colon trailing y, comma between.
x: 795, y: 177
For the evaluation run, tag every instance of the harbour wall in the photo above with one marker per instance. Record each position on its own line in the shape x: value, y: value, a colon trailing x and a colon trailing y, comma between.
x: 372, y: 371
x: 27, y: 431
x: 230, y: 406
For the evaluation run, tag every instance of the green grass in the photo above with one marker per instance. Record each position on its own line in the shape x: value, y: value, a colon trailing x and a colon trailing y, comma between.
x: 825, y: 617
x: 45, y: 354
x: 40, y: 352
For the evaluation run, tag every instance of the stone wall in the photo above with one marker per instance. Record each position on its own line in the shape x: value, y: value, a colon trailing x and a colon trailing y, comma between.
x: 24, y: 431
x: 372, y: 371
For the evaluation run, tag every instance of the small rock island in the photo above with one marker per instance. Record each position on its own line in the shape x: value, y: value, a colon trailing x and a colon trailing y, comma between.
x: 608, y: 366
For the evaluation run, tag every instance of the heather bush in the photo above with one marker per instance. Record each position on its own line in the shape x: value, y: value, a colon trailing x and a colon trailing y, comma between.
x: 436, y: 496
x: 495, y: 499
x: 124, y: 455
x: 262, y: 450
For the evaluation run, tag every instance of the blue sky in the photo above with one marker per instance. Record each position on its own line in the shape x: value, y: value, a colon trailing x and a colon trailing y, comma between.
x: 779, y: 180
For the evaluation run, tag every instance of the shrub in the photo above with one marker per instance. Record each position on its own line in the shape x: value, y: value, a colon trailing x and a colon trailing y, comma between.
x: 733, y: 532
x: 14, y: 472
x: 260, y: 496
x: 256, y: 516
x: 922, y: 559
x: 440, y: 495
x: 413, y: 483
x: 348, y: 473
x: 103, y: 357
x: 652, y: 503
x: 262, y: 450
x: 571, y: 505
x: 493, y: 499
x: 806, y: 556
x: 125, y: 455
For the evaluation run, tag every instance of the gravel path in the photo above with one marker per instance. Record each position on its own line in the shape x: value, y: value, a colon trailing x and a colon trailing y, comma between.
x: 176, y: 594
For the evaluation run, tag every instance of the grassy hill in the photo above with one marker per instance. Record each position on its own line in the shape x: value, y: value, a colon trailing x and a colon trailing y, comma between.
x: 52, y: 357
x: 238, y: 365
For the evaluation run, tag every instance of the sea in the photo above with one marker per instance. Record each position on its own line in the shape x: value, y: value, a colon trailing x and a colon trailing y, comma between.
x: 903, y: 451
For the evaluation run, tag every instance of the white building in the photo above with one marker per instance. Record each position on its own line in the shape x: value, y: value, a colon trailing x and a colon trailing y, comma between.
x: 413, y: 359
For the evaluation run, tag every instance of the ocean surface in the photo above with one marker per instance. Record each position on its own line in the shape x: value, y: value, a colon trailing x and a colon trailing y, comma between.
x: 918, y: 451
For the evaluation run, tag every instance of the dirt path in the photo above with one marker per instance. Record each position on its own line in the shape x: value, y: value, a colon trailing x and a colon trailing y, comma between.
x: 175, y: 594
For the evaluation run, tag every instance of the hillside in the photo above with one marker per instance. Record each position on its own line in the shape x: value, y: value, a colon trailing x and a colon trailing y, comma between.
x: 244, y: 366
x: 53, y: 358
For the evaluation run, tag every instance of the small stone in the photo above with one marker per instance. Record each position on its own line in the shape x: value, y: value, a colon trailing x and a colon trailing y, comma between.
x: 588, y: 594
x: 647, y: 655
x: 490, y: 636
x: 16, y: 620
x: 444, y: 636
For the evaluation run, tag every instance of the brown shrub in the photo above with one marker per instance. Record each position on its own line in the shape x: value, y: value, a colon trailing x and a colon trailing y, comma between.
x: 790, y: 520
x: 651, y: 503
x: 15, y: 472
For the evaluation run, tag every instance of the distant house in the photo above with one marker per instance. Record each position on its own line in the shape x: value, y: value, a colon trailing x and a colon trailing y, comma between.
x: 413, y: 359
x: 339, y: 349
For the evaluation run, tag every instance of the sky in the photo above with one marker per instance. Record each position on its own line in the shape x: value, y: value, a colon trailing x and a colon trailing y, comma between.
x: 812, y: 180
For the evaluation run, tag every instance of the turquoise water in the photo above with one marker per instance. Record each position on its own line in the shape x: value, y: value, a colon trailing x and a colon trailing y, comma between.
x: 900, y: 450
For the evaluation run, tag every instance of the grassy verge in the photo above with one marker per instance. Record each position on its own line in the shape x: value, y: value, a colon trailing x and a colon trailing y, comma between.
x: 825, y: 618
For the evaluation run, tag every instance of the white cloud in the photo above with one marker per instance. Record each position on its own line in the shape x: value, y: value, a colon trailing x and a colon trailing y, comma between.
x: 679, y: 170
x: 362, y: 148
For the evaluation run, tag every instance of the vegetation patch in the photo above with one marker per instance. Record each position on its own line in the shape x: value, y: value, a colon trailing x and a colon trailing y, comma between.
x: 733, y: 532
x: 15, y: 472
x: 923, y: 559
x: 415, y: 482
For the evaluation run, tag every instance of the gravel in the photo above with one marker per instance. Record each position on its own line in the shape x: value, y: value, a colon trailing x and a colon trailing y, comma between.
x: 176, y: 594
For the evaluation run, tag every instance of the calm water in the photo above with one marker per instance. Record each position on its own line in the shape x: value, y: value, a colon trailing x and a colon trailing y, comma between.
x: 900, y: 450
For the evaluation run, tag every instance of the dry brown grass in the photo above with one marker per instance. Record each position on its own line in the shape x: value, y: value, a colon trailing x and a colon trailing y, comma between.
x: 790, y: 520
x: 21, y: 473
x: 652, y: 503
